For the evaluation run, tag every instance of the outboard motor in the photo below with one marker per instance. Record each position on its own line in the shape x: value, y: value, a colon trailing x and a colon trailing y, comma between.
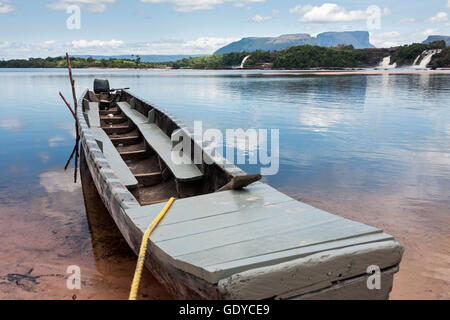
x: 101, y: 86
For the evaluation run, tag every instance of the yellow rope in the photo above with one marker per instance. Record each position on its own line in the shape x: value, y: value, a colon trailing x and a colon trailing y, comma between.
x: 142, y: 251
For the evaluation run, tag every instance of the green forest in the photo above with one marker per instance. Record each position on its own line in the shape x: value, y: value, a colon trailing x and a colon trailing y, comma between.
x: 60, y: 62
x: 405, y: 55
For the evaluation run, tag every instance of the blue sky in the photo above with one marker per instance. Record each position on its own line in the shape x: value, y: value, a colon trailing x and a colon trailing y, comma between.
x: 38, y: 28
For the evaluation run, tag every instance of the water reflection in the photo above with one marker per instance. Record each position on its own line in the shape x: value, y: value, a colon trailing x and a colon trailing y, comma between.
x: 370, y: 148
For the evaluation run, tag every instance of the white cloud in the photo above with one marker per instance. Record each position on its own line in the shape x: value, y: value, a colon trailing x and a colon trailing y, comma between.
x: 92, y: 6
x: 55, y: 141
x: 296, y: 9
x: 20, y: 49
x: 97, y: 44
x: 448, y: 4
x: 201, y: 45
x: 196, y: 5
x: 198, y: 46
x: 328, y: 12
x: 407, y: 20
x: 386, y: 39
x: 429, y: 32
x: 44, y: 156
x: 275, y: 12
x: 11, y: 125
x: 331, y: 12
x: 439, y: 17
x: 6, y: 7
x: 259, y: 19
x: 58, y: 181
x: 48, y: 44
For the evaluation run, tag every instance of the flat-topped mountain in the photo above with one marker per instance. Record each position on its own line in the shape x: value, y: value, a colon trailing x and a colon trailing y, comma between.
x: 358, y: 39
x: 268, y: 43
x: 437, y: 38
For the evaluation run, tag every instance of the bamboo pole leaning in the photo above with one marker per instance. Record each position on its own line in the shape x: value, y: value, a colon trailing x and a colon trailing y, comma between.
x: 73, y: 111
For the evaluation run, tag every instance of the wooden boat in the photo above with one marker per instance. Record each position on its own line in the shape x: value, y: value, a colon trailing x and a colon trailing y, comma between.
x: 228, y: 236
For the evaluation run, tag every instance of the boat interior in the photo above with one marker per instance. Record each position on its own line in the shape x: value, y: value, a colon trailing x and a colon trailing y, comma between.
x: 137, y: 139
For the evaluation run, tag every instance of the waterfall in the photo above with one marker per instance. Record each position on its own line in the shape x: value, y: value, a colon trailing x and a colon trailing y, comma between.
x: 243, y: 62
x: 425, y: 61
x: 427, y: 56
x: 417, y: 59
x: 385, y: 63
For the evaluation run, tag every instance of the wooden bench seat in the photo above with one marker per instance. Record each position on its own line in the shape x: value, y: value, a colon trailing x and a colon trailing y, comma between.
x: 116, y: 162
x: 162, y: 144
x: 92, y: 114
x: 132, y: 114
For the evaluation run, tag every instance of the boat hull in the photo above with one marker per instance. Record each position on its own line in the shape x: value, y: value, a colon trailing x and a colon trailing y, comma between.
x: 301, y: 276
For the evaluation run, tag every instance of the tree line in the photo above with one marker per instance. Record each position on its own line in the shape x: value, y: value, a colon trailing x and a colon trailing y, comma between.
x: 60, y: 62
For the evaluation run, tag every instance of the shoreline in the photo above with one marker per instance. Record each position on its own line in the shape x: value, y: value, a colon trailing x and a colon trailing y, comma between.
x: 275, y: 72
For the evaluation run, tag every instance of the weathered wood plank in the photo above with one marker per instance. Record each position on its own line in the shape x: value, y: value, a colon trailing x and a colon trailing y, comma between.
x: 93, y: 116
x: 256, y: 195
x: 312, y: 273
x: 149, y: 179
x: 303, y: 236
x: 236, y: 227
x: 252, y: 218
x: 134, y: 115
x: 354, y: 289
x: 161, y: 143
x: 280, y: 256
x: 117, y: 164
x: 214, y: 273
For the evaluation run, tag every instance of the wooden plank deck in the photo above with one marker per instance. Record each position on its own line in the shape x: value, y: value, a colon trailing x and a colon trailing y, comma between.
x: 245, y: 229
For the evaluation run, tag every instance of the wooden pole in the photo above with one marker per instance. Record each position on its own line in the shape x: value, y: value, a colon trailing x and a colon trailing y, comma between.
x: 68, y: 106
x: 74, y: 113
x: 72, y: 82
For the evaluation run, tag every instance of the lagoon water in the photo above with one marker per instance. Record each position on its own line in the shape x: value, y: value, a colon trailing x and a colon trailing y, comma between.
x: 373, y: 148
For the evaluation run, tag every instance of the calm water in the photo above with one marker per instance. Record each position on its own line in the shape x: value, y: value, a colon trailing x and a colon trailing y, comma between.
x: 374, y: 148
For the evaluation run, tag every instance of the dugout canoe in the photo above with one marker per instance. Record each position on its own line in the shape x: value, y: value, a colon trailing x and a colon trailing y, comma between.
x: 227, y: 236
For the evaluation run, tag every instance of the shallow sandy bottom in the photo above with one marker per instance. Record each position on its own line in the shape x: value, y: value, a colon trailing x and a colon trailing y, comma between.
x: 41, y: 238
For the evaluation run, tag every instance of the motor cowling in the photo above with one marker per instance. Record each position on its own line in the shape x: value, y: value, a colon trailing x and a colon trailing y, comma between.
x: 101, y: 86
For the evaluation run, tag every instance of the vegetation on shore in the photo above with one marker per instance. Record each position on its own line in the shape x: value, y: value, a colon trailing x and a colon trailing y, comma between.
x: 405, y: 55
x: 442, y: 59
x: 60, y: 62
x: 297, y: 57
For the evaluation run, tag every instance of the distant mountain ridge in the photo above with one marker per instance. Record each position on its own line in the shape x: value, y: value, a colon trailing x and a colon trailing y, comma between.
x: 437, y: 38
x: 359, y: 40
x: 154, y: 58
